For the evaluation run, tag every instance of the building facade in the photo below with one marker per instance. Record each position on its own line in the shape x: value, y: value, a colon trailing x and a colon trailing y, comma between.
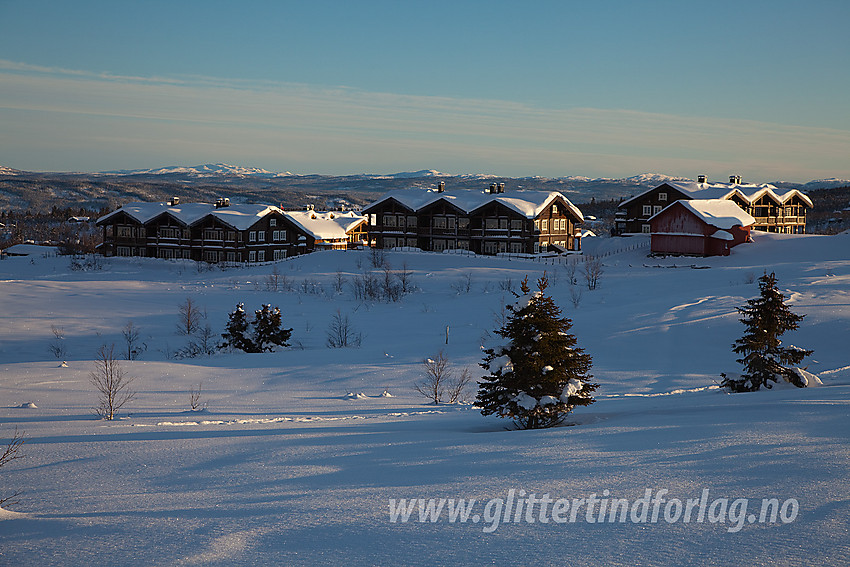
x: 483, y: 222
x: 699, y: 227
x: 218, y: 232
x: 772, y: 209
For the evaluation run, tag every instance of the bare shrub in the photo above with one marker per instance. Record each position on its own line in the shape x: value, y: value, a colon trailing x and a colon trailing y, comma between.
x: 405, y: 279
x: 189, y: 317
x: 378, y: 258
x: 571, y: 267
x: 132, y: 341
x: 341, y: 332
x: 389, y: 288
x: 195, y: 398
x: 10, y: 453
x: 507, y: 284
x: 439, y: 380
x: 57, y: 346
x: 592, y: 271
x: 339, y: 282
x: 463, y: 284
x: 113, y: 386
x: 575, y: 295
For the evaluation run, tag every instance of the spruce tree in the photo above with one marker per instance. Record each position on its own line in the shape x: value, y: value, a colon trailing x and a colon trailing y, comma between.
x: 764, y: 358
x: 539, y: 375
x: 236, y: 333
x: 268, y: 329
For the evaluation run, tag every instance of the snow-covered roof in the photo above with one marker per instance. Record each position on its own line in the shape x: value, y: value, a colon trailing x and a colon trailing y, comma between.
x: 239, y: 217
x: 29, y: 250
x: 331, y: 225
x: 719, y: 213
x: 527, y: 203
x: 748, y: 192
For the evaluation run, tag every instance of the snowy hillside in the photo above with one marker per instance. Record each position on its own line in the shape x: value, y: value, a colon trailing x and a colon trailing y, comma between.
x: 206, y: 170
x: 301, y: 455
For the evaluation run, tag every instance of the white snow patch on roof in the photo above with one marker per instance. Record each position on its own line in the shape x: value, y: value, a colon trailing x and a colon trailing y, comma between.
x: 331, y: 225
x: 719, y: 213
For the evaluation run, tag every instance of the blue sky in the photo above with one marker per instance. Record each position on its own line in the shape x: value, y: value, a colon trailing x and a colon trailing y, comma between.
x: 606, y: 88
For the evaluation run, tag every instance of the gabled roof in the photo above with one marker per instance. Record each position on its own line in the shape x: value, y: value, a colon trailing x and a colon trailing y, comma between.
x: 719, y: 213
x: 239, y: 217
x: 748, y: 192
x: 527, y: 203
x: 331, y: 225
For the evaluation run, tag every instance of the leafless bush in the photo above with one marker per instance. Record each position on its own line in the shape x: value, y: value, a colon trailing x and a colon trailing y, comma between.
x: 439, y: 380
x: 389, y: 288
x: 507, y: 284
x: 311, y: 286
x: 112, y: 384
x: 57, y: 346
x: 189, y: 317
x: 195, y: 398
x: 341, y: 332
x: 339, y: 282
x: 575, y: 295
x: 463, y: 284
x: 132, y: 337
x: 571, y: 267
x: 366, y: 287
x: 405, y: 279
x: 11, y: 452
x: 378, y: 258
x: 592, y: 271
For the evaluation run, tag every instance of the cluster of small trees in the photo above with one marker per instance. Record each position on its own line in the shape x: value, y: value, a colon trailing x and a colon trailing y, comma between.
x: 261, y: 334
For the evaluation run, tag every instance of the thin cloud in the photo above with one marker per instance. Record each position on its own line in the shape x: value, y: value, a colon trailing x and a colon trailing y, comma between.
x: 275, y: 119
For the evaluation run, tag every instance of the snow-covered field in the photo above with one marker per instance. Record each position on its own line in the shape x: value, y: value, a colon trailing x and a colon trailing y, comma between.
x: 284, y: 468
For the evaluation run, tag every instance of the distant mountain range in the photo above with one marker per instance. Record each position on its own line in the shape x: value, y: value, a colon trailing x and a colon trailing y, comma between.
x: 22, y: 189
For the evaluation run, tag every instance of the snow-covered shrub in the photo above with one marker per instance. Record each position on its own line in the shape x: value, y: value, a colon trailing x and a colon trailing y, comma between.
x: 538, y: 375
x: 764, y: 358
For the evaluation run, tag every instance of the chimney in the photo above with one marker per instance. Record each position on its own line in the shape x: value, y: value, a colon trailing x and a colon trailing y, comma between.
x: 441, y: 186
x: 493, y: 188
x: 701, y: 179
x: 222, y: 202
x: 735, y: 179
x: 501, y: 187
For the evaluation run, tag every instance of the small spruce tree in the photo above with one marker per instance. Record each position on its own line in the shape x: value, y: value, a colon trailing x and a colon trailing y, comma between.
x: 237, y: 334
x: 764, y: 358
x: 539, y: 376
x: 268, y: 329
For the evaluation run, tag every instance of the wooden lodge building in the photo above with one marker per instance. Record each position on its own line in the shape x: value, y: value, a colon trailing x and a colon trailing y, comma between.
x: 224, y: 232
x: 483, y: 222
x: 699, y: 227
x: 773, y: 210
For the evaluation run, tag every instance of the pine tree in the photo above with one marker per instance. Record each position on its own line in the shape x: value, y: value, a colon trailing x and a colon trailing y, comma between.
x: 539, y: 376
x: 236, y: 333
x: 268, y: 329
x: 764, y: 358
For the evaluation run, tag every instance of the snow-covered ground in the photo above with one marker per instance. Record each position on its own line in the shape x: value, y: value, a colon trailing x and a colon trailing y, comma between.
x: 284, y: 467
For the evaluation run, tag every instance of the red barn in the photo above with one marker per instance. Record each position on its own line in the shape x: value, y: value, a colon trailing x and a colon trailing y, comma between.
x: 699, y: 227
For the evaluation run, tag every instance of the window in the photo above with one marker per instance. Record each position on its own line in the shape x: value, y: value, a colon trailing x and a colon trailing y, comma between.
x: 261, y: 236
x: 211, y: 234
x: 439, y: 222
x: 537, y: 225
x: 544, y: 226
x: 554, y: 209
x: 645, y: 229
x: 491, y: 224
x: 647, y: 210
x: 411, y: 242
x: 123, y: 251
x: 662, y: 196
x: 516, y: 224
x: 125, y: 232
x: 536, y: 247
x: 210, y: 256
x: 231, y: 236
x: 252, y: 256
x: 503, y: 224
x: 411, y: 222
x: 656, y: 209
x: 261, y: 256
x: 279, y: 254
x: 272, y: 222
x: 516, y: 247
x: 389, y: 220
x: 231, y: 256
x: 490, y: 247
x: 463, y: 244
x: 463, y: 222
x: 276, y: 235
x: 252, y: 237
x: 450, y: 223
